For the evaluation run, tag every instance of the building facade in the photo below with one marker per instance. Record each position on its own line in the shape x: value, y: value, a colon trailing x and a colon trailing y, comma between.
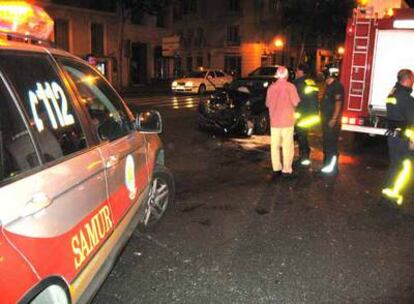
x: 85, y: 31
x: 237, y: 36
x: 234, y: 35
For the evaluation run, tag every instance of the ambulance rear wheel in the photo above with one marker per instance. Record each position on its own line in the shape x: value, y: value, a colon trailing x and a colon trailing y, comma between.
x: 160, y: 198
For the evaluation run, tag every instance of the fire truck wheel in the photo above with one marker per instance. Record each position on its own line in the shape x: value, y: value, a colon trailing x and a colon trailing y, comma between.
x: 160, y: 198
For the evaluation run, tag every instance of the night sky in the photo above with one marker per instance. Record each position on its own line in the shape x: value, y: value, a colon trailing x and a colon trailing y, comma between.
x: 410, y: 2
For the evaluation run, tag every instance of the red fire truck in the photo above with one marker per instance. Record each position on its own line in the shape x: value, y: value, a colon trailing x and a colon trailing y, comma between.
x: 376, y: 48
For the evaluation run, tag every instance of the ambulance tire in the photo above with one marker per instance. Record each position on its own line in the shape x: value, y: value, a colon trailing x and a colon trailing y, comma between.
x: 160, y: 199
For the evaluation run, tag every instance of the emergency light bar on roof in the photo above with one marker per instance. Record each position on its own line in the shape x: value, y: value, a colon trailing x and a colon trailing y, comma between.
x: 24, y: 19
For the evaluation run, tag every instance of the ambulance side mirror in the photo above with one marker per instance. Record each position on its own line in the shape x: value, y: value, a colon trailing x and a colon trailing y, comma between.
x: 149, y: 122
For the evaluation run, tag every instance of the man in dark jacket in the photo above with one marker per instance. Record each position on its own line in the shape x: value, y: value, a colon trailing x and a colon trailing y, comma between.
x: 307, y: 112
x: 331, y: 113
x: 400, y: 119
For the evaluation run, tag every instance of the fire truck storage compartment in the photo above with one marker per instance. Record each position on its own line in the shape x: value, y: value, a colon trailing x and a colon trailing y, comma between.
x: 393, y: 52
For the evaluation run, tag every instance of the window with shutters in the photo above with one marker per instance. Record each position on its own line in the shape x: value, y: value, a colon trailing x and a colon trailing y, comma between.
x: 233, y: 37
x: 199, y: 61
x: 97, y: 39
x: 62, y: 34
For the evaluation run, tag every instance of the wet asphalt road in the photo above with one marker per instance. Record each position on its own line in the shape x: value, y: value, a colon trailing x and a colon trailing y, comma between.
x: 236, y: 237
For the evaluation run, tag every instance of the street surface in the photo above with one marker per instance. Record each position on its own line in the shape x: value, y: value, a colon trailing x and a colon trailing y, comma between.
x: 236, y: 237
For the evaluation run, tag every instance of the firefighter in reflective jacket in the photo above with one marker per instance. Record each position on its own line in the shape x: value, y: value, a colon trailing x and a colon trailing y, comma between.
x: 307, y: 112
x: 331, y: 112
x: 400, y: 136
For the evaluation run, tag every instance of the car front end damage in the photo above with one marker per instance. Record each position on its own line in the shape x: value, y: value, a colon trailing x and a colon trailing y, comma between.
x: 238, y: 109
x: 227, y: 111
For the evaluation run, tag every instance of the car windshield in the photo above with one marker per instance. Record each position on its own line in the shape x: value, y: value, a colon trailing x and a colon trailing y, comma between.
x: 248, y: 86
x: 197, y: 74
x: 264, y: 71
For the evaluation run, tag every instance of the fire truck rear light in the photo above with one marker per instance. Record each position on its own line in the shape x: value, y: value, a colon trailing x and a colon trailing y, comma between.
x: 352, y: 121
x: 404, y: 24
x: 360, y: 122
x: 344, y: 120
x: 21, y: 18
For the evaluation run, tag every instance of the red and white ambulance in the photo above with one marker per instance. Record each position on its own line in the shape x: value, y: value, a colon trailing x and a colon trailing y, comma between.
x: 379, y: 42
x: 78, y: 171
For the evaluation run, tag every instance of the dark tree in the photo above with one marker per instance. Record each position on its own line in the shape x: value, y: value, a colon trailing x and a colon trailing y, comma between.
x: 410, y: 3
x: 310, y: 20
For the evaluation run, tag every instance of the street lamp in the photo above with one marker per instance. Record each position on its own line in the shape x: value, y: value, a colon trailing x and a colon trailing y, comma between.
x: 341, y: 50
x: 279, y: 44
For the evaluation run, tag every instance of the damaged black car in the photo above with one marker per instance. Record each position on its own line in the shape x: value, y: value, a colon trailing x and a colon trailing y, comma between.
x: 240, y: 107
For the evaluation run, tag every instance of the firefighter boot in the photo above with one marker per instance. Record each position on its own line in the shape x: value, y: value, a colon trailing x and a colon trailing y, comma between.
x: 330, y: 167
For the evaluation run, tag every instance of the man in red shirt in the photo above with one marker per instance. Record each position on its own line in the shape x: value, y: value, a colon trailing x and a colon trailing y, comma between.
x: 281, y: 100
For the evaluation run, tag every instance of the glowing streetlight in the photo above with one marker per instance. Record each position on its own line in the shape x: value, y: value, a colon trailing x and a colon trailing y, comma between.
x: 279, y: 44
x: 341, y: 50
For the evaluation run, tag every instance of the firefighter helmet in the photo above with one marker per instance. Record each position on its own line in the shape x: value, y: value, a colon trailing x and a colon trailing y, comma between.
x: 331, y: 71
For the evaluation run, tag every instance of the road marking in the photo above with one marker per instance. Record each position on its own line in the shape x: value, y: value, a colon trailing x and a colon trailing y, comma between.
x: 174, y: 102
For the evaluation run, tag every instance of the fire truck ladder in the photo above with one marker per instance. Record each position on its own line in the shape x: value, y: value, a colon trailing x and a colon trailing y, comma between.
x: 362, y: 34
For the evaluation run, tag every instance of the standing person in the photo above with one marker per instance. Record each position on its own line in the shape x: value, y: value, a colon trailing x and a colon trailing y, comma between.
x: 281, y: 100
x: 400, y: 120
x: 307, y: 111
x: 331, y: 112
x: 91, y: 59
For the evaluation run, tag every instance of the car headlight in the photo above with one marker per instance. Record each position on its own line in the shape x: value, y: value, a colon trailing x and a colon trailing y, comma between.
x: 266, y: 84
x: 174, y: 84
x: 189, y: 84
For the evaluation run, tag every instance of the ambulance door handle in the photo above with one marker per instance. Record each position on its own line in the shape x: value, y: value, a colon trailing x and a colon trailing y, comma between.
x: 38, y: 202
x: 112, y: 160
